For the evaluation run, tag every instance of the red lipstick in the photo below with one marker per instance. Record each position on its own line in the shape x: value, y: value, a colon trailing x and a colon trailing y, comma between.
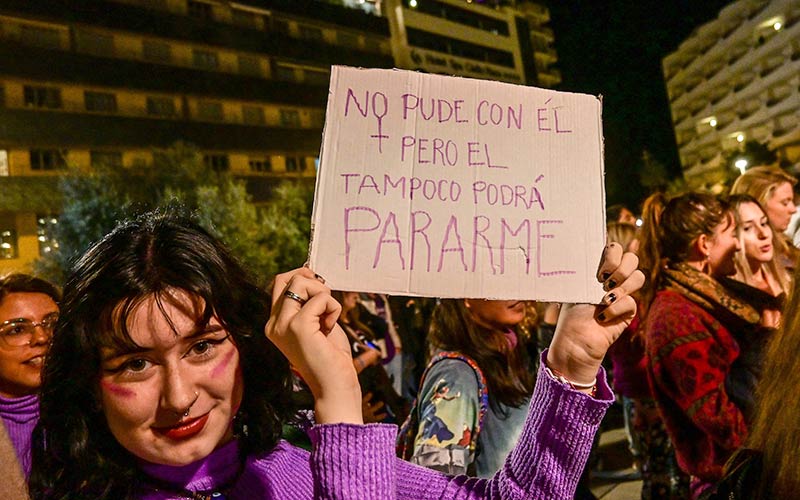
x: 185, y: 429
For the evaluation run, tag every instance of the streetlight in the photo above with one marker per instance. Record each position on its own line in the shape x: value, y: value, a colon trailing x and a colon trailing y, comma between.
x: 741, y: 164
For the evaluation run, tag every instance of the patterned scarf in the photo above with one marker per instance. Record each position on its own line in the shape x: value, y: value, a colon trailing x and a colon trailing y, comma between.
x: 709, y: 294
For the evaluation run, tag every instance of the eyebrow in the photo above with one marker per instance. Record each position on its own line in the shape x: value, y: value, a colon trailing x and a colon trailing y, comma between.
x: 143, y: 349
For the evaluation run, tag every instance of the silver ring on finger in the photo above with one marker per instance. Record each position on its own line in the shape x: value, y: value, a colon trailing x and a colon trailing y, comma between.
x: 290, y: 294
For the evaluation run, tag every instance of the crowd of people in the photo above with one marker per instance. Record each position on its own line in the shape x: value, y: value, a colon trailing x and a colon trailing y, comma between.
x: 159, y: 370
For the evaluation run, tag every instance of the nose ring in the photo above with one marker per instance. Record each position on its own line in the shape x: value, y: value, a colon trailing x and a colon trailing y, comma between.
x: 189, y: 408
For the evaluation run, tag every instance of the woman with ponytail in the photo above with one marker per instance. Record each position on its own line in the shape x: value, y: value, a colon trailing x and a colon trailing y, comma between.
x: 689, y: 329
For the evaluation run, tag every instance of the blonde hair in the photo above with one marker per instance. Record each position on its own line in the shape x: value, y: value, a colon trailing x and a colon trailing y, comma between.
x: 761, y: 182
x: 743, y: 272
x: 620, y: 232
x: 776, y: 427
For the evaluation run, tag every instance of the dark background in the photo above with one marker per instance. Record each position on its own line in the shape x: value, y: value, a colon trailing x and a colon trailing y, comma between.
x: 614, y: 48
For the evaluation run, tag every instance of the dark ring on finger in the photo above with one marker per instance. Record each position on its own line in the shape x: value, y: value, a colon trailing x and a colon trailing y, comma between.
x: 290, y: 294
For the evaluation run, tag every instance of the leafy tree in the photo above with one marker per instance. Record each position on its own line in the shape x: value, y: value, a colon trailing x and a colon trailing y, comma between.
x: 266, y: 240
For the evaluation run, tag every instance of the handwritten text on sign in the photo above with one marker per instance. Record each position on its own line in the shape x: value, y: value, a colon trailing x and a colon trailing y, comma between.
x: 452, y: 187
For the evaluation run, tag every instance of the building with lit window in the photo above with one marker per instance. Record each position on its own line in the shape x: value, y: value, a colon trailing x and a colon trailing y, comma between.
x: 113, y: 82
x: 736, y: 79
x: 504, y: 41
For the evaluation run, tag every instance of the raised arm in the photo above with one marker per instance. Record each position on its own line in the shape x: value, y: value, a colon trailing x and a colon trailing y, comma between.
x: 558, y: 432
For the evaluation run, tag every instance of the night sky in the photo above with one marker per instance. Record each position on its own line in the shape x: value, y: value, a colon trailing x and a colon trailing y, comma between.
x: 615, y: 48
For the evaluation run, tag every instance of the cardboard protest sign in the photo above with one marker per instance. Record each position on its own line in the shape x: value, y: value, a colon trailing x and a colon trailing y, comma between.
x: 452, y: 187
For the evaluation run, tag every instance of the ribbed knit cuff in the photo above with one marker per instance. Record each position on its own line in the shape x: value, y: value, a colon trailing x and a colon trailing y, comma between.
x: 353, y: 461
x: 558, y: 432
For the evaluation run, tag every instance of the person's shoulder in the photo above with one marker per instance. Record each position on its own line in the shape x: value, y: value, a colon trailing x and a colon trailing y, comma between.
x: 455, y: 369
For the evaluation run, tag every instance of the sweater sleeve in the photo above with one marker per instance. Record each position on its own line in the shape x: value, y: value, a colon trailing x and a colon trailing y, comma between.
x: 547, y: 461
x: 353, y: 461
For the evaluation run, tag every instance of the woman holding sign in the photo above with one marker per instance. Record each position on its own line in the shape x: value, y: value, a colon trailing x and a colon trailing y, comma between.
x: 161, y: 383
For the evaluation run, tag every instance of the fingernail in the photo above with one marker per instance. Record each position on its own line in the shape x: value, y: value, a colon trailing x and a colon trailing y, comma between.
x: 605, y: 276
x: 611, y: 285
x: 319, y: 278
x: 601, y: 316
x: 611, y: 297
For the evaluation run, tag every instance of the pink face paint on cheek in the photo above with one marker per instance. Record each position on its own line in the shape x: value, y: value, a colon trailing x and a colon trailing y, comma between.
x: 220, y: 368
x: 116, y: 389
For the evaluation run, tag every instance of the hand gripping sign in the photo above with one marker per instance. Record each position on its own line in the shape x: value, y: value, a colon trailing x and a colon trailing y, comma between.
x: 452, y: 187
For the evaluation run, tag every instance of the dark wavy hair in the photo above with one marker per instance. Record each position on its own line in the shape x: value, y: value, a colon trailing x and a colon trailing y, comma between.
x: 74, y: 453
x: 509, y: 378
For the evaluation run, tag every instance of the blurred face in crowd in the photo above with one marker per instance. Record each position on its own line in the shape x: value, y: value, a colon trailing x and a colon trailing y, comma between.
x: 626, y: 216
x: 780, y: 207
x: 172, y: 399
x: 26, y: 327
x: 722, y: 246
x: 496, y: 314
x: 756, y: 234
x: 349, y: 301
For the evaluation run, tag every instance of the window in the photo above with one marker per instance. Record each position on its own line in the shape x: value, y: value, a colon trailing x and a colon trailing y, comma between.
x: 204, y: 59
x: 260, y: 164
x: 4, y: 163
x: 105, y: 159
x: 253, y: 115
x: 46, y: 231
x: 42, y: 97
x: 243, y: 18
x: 8, y: 239
x: 285, y: 73
x: 100, y: 101
x: 249, y: 65
x: 47, y: 38
x: 294, y: 164
x: 317, y: 77
x: 158, y: 52
x: 209, y: 110
x: 311, y: 33
x: 347, y: 39
x: 200, y: 10
x: 281, y: 26
x: 290, y: 118
x: 48, y: 159
x: 94, y: 43
x: 160, y: 106
x: 217, y: 162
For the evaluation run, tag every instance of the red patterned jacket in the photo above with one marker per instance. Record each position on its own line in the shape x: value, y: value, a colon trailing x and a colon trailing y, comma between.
x: 690, y: 353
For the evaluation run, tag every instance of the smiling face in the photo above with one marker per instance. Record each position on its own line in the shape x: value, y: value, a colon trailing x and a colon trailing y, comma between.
x: 21, y: 366
x: 756, y: 234
x: 173, y: 400
x: 496, y: 314
x: 780, y: 207
x: 722, y: 248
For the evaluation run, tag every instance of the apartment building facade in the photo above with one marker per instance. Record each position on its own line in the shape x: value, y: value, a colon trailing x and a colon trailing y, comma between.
x: 736, y: 79
x: 114, y: 82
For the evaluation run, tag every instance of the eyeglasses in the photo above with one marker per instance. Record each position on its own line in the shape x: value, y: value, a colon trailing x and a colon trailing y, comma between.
x: 20, y: 331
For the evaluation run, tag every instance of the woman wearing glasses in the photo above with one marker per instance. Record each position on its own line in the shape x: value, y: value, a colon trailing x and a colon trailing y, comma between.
x: 28, y: 313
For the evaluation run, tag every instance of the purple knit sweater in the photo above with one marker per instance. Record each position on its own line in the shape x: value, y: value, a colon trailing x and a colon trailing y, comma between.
x: 358, y: 461
x: 20, y: 416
